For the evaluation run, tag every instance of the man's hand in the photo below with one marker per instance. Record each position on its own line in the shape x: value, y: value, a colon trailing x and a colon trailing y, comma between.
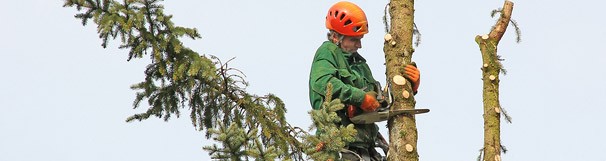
x: 413, y: 75
x: 370, y: 102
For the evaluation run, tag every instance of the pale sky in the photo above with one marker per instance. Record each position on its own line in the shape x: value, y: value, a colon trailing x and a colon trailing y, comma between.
x: 65, y: 98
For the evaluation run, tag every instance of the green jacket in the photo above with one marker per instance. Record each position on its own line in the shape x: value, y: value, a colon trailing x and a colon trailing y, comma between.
x: 350, y: 77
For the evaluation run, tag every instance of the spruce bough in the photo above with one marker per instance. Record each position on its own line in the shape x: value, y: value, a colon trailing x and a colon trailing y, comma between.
x: 179, y: 78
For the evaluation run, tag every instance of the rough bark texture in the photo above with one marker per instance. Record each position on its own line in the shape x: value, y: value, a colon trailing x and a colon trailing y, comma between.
x: 398, y: 53
x: 491, y: 68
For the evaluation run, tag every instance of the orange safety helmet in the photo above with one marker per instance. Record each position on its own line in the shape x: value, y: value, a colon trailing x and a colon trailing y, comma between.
x: 347, y: 19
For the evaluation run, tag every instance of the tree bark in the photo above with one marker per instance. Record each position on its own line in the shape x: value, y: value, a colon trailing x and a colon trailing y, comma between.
x: 398, y: 53
x: 491, y: 68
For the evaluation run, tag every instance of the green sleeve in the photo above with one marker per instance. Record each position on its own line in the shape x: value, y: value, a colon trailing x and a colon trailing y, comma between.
x: 324, y: 70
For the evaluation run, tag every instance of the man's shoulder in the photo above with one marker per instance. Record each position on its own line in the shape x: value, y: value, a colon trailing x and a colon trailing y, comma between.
x: 326, y: 50
x: 329, y: 46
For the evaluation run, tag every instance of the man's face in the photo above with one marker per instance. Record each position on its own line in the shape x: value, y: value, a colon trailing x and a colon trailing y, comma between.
x: 351, y: 44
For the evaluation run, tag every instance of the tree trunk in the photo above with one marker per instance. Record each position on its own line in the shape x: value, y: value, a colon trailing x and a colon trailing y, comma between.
x: 398, y: 52
x: 491, y: 68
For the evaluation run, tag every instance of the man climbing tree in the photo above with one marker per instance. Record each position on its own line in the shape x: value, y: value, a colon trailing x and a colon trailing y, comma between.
x: 337, y: 62
x: 248, y: 126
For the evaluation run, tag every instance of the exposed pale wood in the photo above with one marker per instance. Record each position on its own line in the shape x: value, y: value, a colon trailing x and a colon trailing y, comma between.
x: 501, y: 26
x: 399, y: 80
x: 409, y: 148
x: 387, y: 37
x: 406, y: 94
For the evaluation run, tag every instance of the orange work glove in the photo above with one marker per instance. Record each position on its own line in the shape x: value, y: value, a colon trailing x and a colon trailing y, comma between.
x: 414, y: 76
x: 351, y: 111
x: 369, y: 103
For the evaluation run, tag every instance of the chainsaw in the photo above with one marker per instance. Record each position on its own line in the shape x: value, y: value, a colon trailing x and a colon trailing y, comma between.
x: 384, y: 112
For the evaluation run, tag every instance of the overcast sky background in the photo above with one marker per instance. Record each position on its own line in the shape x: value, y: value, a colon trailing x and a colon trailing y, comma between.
x: 65, y: 98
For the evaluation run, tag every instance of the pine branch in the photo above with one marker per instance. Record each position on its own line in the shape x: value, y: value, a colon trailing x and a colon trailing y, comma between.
x: 495, y: 11
x: 518, y: 31
x: 417, y: 34
x: 329, y: 139
x: 505, y: 114
x: 481, y: 154
x: 179, y: 78
x: 385, y: 18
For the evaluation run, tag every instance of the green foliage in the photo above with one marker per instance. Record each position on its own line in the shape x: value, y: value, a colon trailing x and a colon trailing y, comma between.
x: 330, y: 139
x: 179, y: 78
x: 518, y: 31
x: 238, y: 144
x: 481, y: 155
x: 234, y: 139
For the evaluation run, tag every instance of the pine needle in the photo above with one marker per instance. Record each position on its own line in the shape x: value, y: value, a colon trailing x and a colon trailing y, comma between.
x: 504, y: 113
x: 385, y: 20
